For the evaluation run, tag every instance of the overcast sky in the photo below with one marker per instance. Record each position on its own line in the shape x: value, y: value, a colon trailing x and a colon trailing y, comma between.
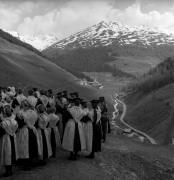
x: 64, y: 17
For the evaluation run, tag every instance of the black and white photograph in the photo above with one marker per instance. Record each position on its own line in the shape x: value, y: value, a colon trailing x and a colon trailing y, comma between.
x: 87, y: 89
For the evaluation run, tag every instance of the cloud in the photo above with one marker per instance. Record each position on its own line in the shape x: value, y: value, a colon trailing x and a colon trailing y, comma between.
x: 134, y: 16
x: 9, y: 17
x: 65, y: 17
x: 69, y: 19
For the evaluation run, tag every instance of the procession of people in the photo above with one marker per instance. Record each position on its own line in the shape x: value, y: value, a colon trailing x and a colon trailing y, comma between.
x: 34, y: 126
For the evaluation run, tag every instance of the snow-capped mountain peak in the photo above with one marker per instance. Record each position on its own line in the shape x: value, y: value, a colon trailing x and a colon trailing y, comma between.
x: 40, y: 42
x: 110, y: 33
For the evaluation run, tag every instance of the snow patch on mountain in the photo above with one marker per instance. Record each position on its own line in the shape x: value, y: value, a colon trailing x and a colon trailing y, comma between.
x: 39, y: 42
x: 115, y: 33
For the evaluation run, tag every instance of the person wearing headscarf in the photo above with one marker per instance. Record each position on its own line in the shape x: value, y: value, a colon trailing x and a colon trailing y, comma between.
x: 95, y: 115
x: 43, y: 98
x: 53, y: 129
x: 43, y: 133
x: 87, y: 125
x: 20, y: 96
x: 73, y: 139
x: 15, y: 106
x: 8, y: 147
x: 51, y: 98
x: 11, y: 92
x: 7, y: 101
x: 36, y: 92
x: 27, y: 136
x: 3, y: 93
x: 32, y: 100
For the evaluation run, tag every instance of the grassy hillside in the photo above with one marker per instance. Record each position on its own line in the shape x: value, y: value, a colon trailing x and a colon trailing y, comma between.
x: 150, y: 107
x: 16, y: 41
x: 160, y: 51
x: 135, y: 65
x: 85, y: 60
x: 156, y: 78
x: 23, y: 66
x: 97, y: 59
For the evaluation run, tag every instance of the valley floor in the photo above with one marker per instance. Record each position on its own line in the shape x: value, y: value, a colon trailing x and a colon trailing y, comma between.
x: 121, y: 159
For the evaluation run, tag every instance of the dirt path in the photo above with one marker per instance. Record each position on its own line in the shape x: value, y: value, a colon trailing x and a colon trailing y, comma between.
x: 121, y: 159
x: 150, y: 139
x: 62, y: 169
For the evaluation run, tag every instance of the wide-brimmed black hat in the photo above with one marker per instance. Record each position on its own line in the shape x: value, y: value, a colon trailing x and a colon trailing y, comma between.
x: 50, y: 90
x: 59, y: 94
x: 94, y: 101
x: 101, y: 99
x: 76, y: 93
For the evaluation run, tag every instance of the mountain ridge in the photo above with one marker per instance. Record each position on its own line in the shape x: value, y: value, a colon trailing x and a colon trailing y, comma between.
x: 115, y: 33
x: 39, y: 42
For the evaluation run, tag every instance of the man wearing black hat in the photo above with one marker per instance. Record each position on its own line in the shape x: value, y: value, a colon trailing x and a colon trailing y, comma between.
x: 104, y: 117
x: 65, y: 94
x: 95, y: 115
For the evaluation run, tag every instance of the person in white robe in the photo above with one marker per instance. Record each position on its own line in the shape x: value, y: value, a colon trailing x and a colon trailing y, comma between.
x: 51, y: 98
x: 32, y: 100
x: 53, y: 130
x: 43, y: 98
x: 27, y: 136
x: 10, y: 92
x: 95, y: 115
x: 20, y: 97
x: 87, y: 125
x: 74, y: 139
x: 43, y: 133
x: 8, y: 146
x: 15, y: 106
x: 3, y: 93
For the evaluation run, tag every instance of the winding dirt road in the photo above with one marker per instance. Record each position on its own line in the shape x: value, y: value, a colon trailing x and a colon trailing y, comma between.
x: 117, y: 101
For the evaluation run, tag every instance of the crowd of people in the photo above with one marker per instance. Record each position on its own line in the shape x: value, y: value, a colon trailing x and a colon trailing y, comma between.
x: 34, y: 126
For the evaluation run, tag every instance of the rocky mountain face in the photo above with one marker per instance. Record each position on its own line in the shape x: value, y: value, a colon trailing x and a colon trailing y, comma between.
x: 99, y: 48
x: 115, y: 33
x: 108, y: 41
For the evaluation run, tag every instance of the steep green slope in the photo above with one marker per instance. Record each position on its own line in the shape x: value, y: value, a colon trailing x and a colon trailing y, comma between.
x: 150, y: 107
x: 21, y: 66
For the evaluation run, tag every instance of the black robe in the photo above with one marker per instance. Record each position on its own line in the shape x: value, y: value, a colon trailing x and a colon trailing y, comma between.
x: 97, y: 134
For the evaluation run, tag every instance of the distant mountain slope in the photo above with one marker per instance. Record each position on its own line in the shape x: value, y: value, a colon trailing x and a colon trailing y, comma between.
x: 22, y: 65
x: 95, y: 48
x: 39, y: 42
x: 17, y: 41
x: 157, y: 77
x: 117, y: 35
x: 150, y: 106
x: 86, y: 60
